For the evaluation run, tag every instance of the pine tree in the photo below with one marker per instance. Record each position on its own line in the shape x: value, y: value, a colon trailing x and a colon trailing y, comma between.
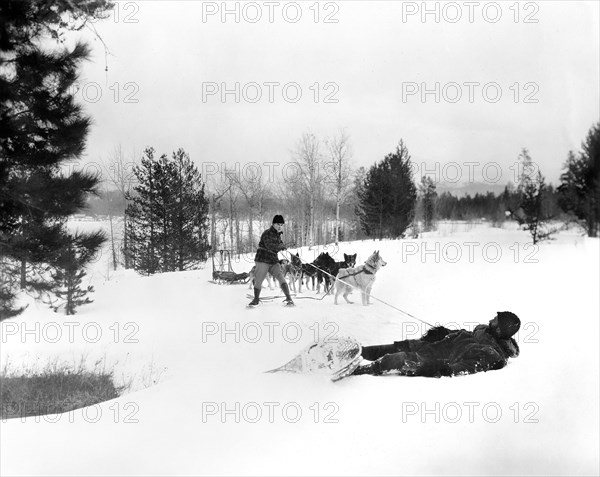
x: 387, y: 196
x: 167, y: 215
x: 69, y: 271
x: 41, y: 127
x: 141, y: 216
x: 533, y: 213
x: 8, y: 289
x: 427, y: 191
x: 190, y: 230
x: 579, y: 192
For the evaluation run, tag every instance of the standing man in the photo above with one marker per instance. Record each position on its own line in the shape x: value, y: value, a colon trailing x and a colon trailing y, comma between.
x: 267, y: 262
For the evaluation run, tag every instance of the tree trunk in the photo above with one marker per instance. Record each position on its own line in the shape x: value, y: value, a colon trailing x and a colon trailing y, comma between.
x: 152, y: 244
x: 23, y: 274
x: 592, y: 227
x: 112, y: 242
x: 251, y: 231
x: 230, y: 224
x: 125, y: 243
x: 337, y: 221
x: 213, y: 230
x: 311, y: 221
x: 165, y: 245
x: 70, y: 290
x: 237, y: 236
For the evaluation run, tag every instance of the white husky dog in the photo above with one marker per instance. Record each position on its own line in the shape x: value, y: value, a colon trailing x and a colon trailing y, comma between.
x: 361, y: 277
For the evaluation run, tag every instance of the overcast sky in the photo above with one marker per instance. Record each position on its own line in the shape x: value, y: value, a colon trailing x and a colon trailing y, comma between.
x: 374, y: 62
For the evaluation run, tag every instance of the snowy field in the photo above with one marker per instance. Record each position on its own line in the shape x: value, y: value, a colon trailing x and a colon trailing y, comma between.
x: 213, y: 411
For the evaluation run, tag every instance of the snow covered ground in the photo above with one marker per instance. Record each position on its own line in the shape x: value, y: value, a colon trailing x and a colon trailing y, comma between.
x: 214, y: 411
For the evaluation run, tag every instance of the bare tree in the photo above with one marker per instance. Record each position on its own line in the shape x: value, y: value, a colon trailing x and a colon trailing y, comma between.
x: 232, y: 197
x: 339, y: 175
x: 255, y: 191
x: 218, y: 188
x: 310, y: 166
x: 291, y: 203
x: 118, y: 169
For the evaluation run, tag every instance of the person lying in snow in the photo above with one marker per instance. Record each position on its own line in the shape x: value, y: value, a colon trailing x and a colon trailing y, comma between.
x: 444, y: 352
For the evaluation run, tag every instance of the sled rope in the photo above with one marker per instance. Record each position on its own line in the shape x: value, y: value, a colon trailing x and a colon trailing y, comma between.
x: 372, y: 296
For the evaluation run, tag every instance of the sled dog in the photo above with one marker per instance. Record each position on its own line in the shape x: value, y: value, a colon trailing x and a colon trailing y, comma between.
x: 349, y: 262
x: 361, y: 277
x: 292, y: 269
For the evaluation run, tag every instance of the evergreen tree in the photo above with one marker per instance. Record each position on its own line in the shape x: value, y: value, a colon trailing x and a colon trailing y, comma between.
x: 69, y: 271
x: 142, y: 217
x: 533, y: 213
x: 509, y: 200
x: 190, y: 225
x: 579, y: 192
x: 167, y: 215
x: 387, y: 196
x: 358, y: 180
x: 8, y: 287
x: 447, y: 206
x: 428, y: 195
x: 41, y: 127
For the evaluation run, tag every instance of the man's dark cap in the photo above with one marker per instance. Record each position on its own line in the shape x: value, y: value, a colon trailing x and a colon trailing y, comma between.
x: 508, y: 324
x: 278, y: 219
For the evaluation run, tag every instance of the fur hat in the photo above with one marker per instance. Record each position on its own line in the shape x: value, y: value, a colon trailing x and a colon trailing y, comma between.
x: 508, y: 324
x: 278, y: 219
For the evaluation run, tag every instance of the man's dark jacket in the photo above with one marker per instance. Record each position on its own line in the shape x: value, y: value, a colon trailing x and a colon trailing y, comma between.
x: 270, y: 243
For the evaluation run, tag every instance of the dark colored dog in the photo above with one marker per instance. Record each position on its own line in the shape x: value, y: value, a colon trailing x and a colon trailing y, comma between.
x: 349, y: 262
x: 332, y: 268
x: 326, y: 263
x: 311, y: 270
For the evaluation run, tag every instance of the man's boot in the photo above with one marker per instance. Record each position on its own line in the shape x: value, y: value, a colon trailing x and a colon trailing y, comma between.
x: 256, y: 300
x: 288, y: 299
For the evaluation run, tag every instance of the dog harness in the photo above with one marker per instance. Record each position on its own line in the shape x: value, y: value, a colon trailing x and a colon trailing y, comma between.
x: 364, y: 270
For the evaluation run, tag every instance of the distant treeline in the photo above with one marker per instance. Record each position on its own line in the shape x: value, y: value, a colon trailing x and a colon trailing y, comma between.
x: 489, y: 206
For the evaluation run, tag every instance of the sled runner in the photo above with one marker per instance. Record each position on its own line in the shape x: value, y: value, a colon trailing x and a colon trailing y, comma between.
x: 335, y: 357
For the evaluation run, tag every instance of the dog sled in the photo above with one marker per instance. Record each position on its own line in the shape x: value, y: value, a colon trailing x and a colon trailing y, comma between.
x: 223, y: 273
